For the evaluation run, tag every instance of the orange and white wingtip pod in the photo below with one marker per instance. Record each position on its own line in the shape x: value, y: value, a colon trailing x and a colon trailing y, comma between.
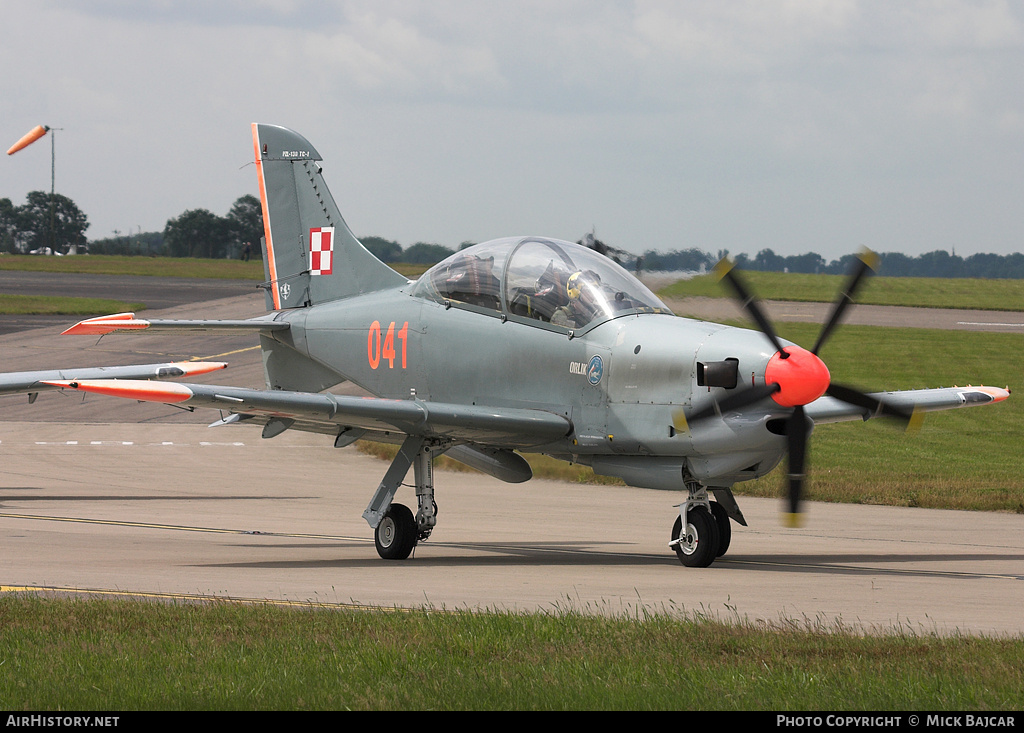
x: 997, y: 394
x: 106, y: 324
x: 200, y: 367
x: 37, y: 132
x: 131, y: 389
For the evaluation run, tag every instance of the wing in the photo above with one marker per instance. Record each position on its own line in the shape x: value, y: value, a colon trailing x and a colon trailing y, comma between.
x: 345, y: 416
x: 829, y: 409
x: 34, y: 382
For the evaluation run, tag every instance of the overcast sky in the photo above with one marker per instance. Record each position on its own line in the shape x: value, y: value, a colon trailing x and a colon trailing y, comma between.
x: 796, y: 125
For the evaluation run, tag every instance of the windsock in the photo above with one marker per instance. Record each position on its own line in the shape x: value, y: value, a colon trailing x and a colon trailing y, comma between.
x: 37, y: 132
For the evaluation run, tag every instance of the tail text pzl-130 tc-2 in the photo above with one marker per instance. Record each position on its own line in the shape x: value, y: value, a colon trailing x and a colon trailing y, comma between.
x: 517, y: 345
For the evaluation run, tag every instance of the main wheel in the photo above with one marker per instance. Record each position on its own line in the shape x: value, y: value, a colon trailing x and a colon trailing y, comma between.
x: 699, y: 547
x: 396, y: 534
x: 724, y: 527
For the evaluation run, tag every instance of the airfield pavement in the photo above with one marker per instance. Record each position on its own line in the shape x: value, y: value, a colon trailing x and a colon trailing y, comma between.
x: 104, y: 496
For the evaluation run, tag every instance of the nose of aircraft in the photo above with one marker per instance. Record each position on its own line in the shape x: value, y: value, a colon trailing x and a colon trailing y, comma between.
x: 802, y: 377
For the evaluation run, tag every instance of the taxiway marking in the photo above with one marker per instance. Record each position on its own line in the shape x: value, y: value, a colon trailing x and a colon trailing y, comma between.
x: 170, y: 443
x: 226, y: 353
x: 178, y: 527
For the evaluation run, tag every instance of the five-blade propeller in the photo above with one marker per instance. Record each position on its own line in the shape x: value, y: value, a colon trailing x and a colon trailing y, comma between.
x: 796, y: 377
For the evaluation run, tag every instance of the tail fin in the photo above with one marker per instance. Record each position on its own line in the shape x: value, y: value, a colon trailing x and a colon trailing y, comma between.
x: 310, y: 255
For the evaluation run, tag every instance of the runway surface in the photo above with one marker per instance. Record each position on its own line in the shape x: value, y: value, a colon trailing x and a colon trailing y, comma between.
x: 108, y: 496
x: 180, y: 510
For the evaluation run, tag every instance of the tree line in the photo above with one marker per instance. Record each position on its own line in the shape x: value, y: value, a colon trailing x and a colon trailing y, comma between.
x: 891, y: 264
x: 48, y: 224
x: 43, y: 224
x: 55, y: 224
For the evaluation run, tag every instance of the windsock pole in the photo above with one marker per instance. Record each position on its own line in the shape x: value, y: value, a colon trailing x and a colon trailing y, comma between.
x: 34, y: 134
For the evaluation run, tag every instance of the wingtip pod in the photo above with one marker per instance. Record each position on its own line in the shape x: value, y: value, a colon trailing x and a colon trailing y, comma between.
x: 995, y: 393
x: 101, y: 325
x: 199, y: 367
x: 132, y: 389
x: 34, y: 134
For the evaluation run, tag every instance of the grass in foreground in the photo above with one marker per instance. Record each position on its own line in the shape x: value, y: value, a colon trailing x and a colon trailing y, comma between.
x: 39, y: 305
x: 922, y: 292
x: 128, y: 655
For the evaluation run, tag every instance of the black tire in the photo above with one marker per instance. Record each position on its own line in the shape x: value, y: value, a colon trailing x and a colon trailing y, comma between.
x: 701, y: 547
x: 724, y: 527
x: 396, y: 534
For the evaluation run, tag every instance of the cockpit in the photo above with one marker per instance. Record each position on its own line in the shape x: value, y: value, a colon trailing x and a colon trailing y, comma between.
x: 554, y: 283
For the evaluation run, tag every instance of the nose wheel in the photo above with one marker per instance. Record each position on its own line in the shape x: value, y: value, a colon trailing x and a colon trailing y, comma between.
x: 698, y: 545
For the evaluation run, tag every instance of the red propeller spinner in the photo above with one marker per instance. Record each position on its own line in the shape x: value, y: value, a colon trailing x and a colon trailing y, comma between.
x: 802, y: 377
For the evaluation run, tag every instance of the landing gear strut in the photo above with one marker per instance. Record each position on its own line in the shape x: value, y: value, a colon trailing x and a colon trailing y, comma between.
x: 396, y: 531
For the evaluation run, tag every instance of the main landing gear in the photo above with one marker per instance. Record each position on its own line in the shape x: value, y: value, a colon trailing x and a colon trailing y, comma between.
x: 396, y: 531
x: 708, y: 532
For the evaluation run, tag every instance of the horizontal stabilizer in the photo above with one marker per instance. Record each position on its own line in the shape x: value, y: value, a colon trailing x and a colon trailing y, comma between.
x: 102, y: 325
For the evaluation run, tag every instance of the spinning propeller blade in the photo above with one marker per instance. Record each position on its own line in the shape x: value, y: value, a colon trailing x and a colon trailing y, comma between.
x: 866, y: 263
x: 877, y: 408
x: 734, y: 402
x: 797, y: 432
x: 726, y: 270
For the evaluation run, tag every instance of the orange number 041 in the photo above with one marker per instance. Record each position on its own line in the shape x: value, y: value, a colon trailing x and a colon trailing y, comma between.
x: 378, y: 347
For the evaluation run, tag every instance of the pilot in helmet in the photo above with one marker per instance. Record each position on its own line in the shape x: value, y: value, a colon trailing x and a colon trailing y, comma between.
x: 582, y: 289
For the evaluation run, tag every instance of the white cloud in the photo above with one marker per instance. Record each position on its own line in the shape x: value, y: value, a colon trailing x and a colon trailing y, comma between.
x: 790, y: 125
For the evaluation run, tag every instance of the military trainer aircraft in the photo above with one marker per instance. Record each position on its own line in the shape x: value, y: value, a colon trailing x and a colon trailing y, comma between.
x: 517, y: 345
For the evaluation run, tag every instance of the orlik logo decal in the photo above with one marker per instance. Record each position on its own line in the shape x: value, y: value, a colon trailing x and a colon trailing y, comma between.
x: 321, y: 251
x: 593, y: 371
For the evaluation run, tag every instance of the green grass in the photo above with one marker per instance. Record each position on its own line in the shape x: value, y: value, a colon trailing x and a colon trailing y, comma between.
x: 961, y: 459
x: 156, y: 266
x: 127, y: 655
x: 142, y: 266
x: 36, y: 305
x: 925, y: 292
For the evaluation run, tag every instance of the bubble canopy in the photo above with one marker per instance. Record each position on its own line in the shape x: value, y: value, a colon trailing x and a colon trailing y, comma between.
x: 554, y: 283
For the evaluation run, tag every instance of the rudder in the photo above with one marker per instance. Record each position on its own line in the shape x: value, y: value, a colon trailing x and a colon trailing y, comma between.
x: 310, y: 255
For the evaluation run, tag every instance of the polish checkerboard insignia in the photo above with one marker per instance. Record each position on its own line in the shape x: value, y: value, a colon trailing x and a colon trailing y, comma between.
x: 321, y: 250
